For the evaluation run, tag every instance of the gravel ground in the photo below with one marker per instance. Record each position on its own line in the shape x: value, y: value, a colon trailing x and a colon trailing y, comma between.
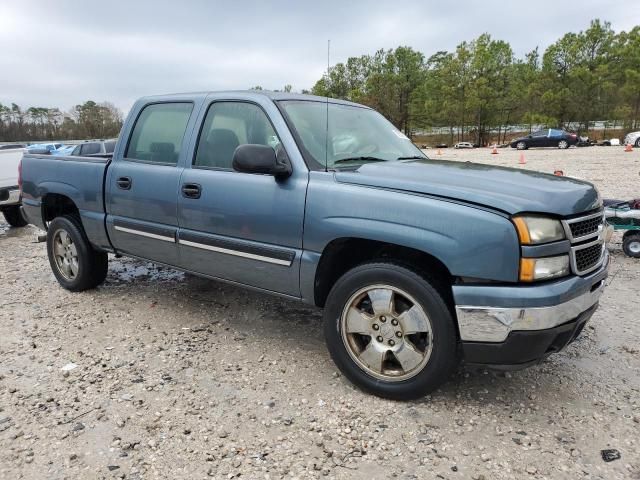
x: 179, y: 377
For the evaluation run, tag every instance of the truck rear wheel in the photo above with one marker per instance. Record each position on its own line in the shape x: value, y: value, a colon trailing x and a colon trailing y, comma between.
x: 13, y: 216
x: 389, y: 331
x: 75, y: 263
x: 631, y: 244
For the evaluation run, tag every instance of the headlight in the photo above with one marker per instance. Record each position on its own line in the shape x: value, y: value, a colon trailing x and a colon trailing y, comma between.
x: 533, y: 229
x: 532, y: 269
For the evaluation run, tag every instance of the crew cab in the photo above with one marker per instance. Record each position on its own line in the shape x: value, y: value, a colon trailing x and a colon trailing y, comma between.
x: 419, y: 264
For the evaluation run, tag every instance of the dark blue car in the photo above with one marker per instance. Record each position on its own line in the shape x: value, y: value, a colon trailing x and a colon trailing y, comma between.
x: 549, y: 137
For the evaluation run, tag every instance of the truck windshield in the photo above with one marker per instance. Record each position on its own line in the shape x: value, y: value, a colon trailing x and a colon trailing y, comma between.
x: 357, y: 135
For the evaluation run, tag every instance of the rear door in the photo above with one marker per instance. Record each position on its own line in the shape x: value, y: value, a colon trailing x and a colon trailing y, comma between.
x: 246, y: 228
x: 142, y: 182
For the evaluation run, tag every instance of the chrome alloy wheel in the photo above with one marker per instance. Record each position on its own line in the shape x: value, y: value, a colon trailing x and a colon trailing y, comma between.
x: 65, y: 254
x: 386, y: 332
x: 634, y: 247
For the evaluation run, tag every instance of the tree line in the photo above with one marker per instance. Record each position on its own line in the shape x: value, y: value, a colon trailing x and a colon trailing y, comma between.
x: 84, y: 121
x: 477, y: 91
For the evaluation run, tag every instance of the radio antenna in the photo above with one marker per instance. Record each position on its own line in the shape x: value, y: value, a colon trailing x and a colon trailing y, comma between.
x: 326, y: 137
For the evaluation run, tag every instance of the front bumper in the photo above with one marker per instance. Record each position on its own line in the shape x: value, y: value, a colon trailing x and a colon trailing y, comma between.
x: 9, y: 196
x: 517, y: 326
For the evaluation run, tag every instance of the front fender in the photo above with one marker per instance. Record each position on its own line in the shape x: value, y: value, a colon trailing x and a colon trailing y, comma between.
x: 470, y: 241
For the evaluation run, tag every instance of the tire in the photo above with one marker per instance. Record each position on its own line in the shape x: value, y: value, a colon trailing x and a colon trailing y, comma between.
x: 563, y: 144
x: 75, y: 263
x: 13, y: 216
x: 429, y: 357
x: 631, y: 244
x: 638, y: 143
x: 521, y: 146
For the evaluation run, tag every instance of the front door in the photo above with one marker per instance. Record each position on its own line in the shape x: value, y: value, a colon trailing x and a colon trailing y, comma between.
x: 241, y: 227
x: 143, y: 181
x: 539, y: 138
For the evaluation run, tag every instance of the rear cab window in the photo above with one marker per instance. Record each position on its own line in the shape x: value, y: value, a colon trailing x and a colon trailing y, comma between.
x: 109, y: 146
x: 159, y: 132
x: 90, y: 148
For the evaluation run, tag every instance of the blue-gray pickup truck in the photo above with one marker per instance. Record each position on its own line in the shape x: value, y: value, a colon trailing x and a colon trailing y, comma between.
x: 419, y: 264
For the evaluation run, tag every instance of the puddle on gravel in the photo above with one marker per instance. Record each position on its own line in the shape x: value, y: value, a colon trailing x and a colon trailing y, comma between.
x: 121, y: 270
x: 6, y: 231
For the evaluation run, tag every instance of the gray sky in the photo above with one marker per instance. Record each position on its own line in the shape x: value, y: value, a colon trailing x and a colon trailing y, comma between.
x: 59, y: 53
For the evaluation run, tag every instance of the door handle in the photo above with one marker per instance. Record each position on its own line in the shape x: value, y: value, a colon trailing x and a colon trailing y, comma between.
x: 124, y: 183
x: 191, y: 190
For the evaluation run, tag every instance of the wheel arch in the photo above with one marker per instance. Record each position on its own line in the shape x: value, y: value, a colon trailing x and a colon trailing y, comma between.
x: 345, y: 253
x: 56, y: 205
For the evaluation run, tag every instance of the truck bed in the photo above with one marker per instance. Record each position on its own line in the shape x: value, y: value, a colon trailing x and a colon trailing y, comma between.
x: 79, y: 178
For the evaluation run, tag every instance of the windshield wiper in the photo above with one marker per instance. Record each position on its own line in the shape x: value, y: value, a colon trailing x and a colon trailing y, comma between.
x: 413, y: 157
x: 360, y: 159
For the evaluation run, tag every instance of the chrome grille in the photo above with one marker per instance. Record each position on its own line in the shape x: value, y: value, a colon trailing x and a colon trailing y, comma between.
x: 587, y: 258
x: 583, y: 228
x: 587, y: 242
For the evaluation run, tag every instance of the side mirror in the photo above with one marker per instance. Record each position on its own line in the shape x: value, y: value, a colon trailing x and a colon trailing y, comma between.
x: 252, y: 158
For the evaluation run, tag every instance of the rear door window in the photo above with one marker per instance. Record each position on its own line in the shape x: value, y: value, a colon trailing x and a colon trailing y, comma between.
x: 158, y: 134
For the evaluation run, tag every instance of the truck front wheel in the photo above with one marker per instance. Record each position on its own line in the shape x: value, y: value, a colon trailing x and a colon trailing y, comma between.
x: 14, y: 216
x: 390, y: 331
x: 75, y: 263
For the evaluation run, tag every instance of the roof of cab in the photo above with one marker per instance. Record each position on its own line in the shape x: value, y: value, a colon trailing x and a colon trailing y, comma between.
x: 275, y: 96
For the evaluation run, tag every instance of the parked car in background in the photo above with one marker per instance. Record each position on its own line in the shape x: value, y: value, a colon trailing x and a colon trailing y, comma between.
x: 632, y: 138
x: 441, y: 145
x: 63, y: 150
x: 463, y: 145
x: 98, y: 148
x: 419, y: 264
x: 42, y: 147
x: 11, y: 146
x: 549, y: 137
x: 610, y: 142
x: 9, y: 186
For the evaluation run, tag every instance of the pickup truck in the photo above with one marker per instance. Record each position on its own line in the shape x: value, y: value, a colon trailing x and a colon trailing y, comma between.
x: 419, y: 264
x: 9, y: 191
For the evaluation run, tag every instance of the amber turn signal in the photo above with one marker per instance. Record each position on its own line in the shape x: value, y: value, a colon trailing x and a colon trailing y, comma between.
x: 523, y: 230
x: 527, y: 269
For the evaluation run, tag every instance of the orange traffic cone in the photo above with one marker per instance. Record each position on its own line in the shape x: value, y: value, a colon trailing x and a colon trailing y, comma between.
x: 495, y: 150
x: 438, y: 152
x: 522, y: 160
x: 559, y: 173
x: 628, y: 148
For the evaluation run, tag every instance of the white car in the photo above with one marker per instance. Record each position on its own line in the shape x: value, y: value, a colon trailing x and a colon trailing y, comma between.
x: 463, y: 145
x: 9, y: 191
x: 632, y: 138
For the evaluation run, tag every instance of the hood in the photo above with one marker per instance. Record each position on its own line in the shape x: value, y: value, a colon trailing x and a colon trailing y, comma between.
x: 508, y: 189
